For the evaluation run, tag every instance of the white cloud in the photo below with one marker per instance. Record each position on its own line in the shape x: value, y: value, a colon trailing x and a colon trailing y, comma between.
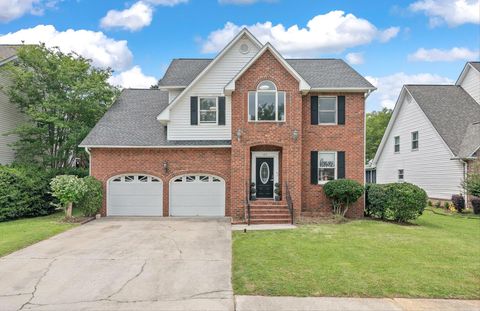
x: 13, y: 9
x: 331, y: 32
x: 355, y: 58
x: 388, y: 87
x: 104, y: 51
x: 452, y: 12
x: 134, y: 18
x: 438, y: 55
x: 132, y: 78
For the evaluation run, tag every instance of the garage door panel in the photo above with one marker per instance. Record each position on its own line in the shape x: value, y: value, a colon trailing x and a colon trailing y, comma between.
x: 141, y: 195
x: 201, y: 197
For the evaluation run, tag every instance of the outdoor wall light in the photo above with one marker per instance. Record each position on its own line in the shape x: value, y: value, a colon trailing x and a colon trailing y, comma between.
x: 165, y: 167
x: 295, y: 135
x: 239, y: 134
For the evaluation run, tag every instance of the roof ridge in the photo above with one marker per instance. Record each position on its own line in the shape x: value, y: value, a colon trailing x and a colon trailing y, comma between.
x: 315, y: 58
x: 193, y: 58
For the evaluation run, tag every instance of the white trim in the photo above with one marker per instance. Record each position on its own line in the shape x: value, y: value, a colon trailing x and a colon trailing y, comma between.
x: 412, y: 141
x: 336, y: 110
x: 403, y: 175
x: 276, y: 91
x: 395, y: 144
x: 243, y: 32
x: 154, y: 147
x: 303, y: 85
x: 6, y: 60
x: 107, y: 188
x: 323, y: 182
x: 265, y: 154
x: 89, y: 161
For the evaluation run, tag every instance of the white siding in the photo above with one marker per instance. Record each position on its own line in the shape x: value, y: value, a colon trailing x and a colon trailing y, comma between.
x: 172, y: 94
x: 10, y: 117
x: 471, y: 84
x: 211, y: 84
x: 430, y: 167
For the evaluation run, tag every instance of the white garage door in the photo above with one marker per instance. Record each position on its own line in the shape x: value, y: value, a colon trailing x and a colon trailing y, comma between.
x: 135, y: 195
x: 197, y: 195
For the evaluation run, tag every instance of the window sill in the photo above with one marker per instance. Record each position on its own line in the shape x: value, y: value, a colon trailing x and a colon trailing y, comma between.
x: 266, y: 121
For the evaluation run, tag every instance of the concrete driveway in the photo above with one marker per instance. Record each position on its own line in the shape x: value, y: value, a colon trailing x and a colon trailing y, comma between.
x: 124, y: 264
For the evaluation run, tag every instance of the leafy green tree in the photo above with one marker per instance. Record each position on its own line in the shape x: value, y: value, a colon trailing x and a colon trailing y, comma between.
x: 68, y: 189
x: 62, y: 96
x: 377, y: 122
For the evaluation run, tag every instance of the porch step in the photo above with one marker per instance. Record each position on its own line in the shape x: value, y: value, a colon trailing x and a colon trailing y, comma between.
x: 269, y: 211
x: 270, y: 216
x: 268, y: 206
x: 269, y: 221
x: 262, y: 202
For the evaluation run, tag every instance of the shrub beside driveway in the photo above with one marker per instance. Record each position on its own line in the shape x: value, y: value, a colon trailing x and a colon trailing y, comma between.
x: 436, y: 257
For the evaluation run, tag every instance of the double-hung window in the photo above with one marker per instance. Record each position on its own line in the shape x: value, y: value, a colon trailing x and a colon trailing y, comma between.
x: 208, y: 109
x: 396, y: 147
x: 401, y: 175
x: 266, y: 103
x: 415, y: 140
x: 327, y: 110
x: 327, y: 168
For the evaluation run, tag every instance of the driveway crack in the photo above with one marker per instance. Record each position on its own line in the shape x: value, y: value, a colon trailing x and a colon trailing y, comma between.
x: 128, y: 281
x: 35, y: 287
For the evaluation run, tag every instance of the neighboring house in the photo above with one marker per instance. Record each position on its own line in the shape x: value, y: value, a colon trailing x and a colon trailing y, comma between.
x: 192, y: 147
x: 10, y: 116
x: 433, y: 137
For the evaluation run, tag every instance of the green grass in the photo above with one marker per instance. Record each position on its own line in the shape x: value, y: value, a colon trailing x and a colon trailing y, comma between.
x: 17, y: 234
x: 436, y: 257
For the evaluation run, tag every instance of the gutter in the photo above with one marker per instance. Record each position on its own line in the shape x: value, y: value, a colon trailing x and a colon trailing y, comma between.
x: 89, y: 161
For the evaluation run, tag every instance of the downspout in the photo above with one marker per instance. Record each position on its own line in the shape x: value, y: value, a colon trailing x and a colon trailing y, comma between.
x: 89, y: 161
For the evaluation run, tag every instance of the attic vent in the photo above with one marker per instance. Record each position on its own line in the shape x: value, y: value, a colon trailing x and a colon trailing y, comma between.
x: 244, y: 48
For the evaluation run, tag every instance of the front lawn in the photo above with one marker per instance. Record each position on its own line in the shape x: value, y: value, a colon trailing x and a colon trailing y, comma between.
x: 17, y: 234
x: 437, y: 257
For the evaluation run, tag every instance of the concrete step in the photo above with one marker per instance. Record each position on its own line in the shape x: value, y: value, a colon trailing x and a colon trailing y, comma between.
x: 269, y: 221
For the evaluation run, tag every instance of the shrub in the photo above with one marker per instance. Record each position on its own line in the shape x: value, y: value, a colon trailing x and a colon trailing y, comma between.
x: 438, y: 204
x: 405, y: 201
x: 342, y: 193
x: 91, y: 201
x: 446, y: 205
x: 68, y: 189
x: 472, y: 184
x: 397, y: 201
x: 375, y: 200
x: 23, y: 194
x: 458, y: 202
x: 430, y: 203
x: 476, y: 205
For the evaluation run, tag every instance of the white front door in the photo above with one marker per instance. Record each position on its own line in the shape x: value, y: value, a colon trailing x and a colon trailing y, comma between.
x: 197, y: 195
x: 135, y: 195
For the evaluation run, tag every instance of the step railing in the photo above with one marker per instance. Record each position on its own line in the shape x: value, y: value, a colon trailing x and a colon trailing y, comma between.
x: 247, y: 203
x: 289, y: 202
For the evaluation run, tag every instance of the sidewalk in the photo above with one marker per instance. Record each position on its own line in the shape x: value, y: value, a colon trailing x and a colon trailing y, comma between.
x: 260, y: 303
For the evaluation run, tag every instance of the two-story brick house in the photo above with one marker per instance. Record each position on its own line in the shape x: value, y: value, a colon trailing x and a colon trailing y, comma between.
x: 215, y: 126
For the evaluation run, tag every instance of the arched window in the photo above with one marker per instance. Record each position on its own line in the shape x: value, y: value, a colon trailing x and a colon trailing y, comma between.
x: 266, y: 103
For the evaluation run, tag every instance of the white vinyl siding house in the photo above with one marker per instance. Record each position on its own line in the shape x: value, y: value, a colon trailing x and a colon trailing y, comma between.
x: 211, y: 84
x: 429, y: 167
x: 470, y: 82
x: 10, y: 117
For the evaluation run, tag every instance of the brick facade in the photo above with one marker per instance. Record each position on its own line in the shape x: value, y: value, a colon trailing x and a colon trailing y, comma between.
x: 234, y: 165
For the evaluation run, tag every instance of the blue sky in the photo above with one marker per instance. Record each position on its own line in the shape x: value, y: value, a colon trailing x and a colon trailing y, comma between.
x: 390, y: 42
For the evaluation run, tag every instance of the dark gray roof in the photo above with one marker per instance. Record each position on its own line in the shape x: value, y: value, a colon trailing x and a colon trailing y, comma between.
x: 450, y: 109
x: 476, y: 65
x: 182, y: 71
x: 328, y: 73
x: 471, y: 141
x: 319, y: 73
x: 7, y: 51
x: 132, y: 121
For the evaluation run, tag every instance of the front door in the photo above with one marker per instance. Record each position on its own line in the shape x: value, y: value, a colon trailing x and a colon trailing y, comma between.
x: 264, y: 181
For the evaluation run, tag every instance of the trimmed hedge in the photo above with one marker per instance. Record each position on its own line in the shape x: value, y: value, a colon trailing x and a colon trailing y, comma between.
x: 459, y: 202
x: 92, y: 200
x: 25, y: 190
x: 396, y: 201
x: 343, y: 193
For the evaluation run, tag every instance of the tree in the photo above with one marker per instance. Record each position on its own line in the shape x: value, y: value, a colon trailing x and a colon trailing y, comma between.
x: 377, y: 122
x: 68, y: 189
x: 62, y: 96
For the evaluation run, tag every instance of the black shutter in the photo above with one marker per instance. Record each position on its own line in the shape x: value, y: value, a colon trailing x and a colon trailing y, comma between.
x: 221, y: 110
x: 341, y: 164
x: 341, y: 110
x: 314, y: 167
x: 194, y: 110
x: 314, y: 109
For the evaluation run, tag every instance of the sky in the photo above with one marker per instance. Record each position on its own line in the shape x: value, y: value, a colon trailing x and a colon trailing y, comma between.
x: 391, y: 43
